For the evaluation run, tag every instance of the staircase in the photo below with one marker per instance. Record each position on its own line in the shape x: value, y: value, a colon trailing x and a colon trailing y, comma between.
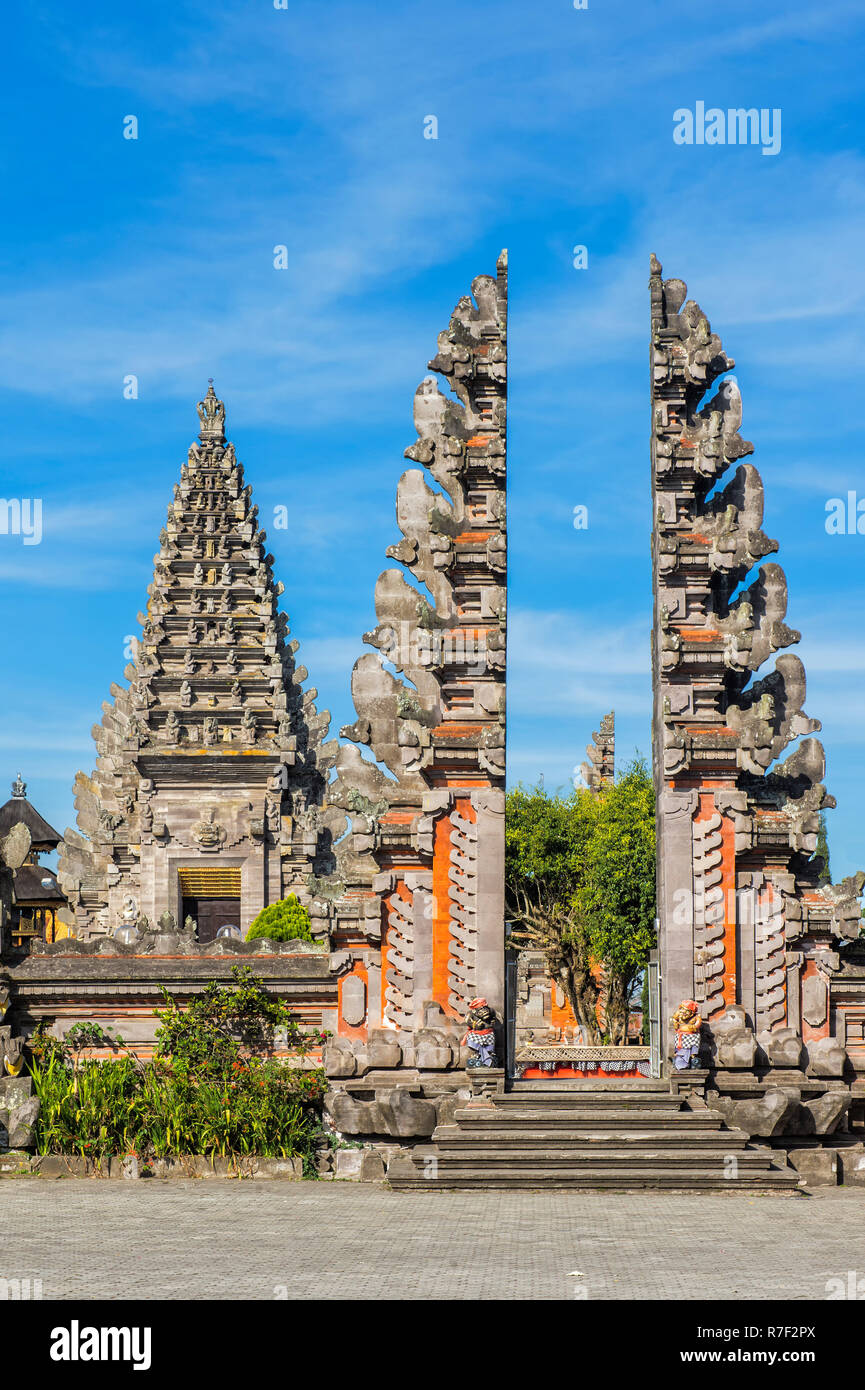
x: 611, y: 1136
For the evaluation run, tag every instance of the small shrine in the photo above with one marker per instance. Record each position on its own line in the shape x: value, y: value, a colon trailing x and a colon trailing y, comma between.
x: 36, y: 894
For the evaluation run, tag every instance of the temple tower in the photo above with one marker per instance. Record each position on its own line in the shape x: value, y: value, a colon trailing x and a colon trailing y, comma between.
x: 210, y: 767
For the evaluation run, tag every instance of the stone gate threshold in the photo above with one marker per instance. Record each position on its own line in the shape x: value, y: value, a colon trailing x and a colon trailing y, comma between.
x: 614, y: 1135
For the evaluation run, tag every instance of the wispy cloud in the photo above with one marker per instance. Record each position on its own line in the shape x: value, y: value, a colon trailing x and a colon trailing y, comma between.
x: 304, y: 128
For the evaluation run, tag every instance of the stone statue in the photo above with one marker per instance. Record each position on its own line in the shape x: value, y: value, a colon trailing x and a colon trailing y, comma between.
x: 480, y: 1037
x: 687, y: 1023
x: 207, y: 832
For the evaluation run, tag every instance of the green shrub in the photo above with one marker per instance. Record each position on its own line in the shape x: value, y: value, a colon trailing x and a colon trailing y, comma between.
x: 285, y: 921
x: 213, y: 1087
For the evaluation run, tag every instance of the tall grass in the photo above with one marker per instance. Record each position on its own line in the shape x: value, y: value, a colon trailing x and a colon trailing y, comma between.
x: 100, y: 1109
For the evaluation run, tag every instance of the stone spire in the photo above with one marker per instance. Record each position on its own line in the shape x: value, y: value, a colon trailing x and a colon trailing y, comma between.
x: 739, y: 908
x: 215, y: 696
x: 426, y: 853
x: 211, y: 413
x: 601, y: 754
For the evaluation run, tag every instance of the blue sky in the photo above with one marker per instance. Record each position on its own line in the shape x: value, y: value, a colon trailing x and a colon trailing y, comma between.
x: 304, y: 127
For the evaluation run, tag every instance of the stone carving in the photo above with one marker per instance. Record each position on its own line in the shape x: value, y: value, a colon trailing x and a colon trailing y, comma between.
x: 19, y: 1108
x: 480, y: 1038
x: 744, y: 884
x: 353, y: 1000
x: 14, y: 849
x: 708, y: 913
x: 399, y: 987
x: 19, y: 1111
x: 826, y: 1057
x: 396, y: 1112
x: 766, y: 1115
x: 601, y: 754
x: 463, y: 876
x: 207, y: 834
x: 434, y: 799
x: 735, y: 1044
x: 815, y: 1001
x: 687, y: 1024
x: 783, y: 1048
x: 11, y: 1053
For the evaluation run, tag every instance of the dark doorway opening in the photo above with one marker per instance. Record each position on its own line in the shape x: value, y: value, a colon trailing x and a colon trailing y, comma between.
x: 211, y: 914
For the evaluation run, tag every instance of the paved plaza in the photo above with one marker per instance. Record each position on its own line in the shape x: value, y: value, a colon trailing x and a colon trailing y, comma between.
x: 186, y: 1239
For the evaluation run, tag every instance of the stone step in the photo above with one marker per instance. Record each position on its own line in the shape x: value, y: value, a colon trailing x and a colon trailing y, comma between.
x: 451, y: 1138
x: 589, y: 1139
x: 483, y: 1116
x: 612, y: 1152
x: 614, y: 1169
x: 586, y: 1099
x: 603, y: 1179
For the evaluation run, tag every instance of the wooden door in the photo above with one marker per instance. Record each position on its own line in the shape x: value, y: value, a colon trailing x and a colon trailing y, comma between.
x: 211, y: 914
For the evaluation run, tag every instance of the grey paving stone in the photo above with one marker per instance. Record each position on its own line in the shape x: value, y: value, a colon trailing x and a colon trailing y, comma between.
x: 183, y: 1239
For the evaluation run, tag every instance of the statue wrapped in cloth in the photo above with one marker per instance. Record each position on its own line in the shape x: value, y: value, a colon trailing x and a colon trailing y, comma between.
x: 687, y: 1023
x: 480, y: 1039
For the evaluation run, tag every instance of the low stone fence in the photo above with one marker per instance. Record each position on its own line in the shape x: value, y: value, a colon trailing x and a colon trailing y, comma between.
x: 18, y: 1163
x: 344, y: 1165
x: 546, y: 1061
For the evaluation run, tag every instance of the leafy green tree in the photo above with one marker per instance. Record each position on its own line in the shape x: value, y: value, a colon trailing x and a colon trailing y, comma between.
x: 617, y: 892
x: 284, y: 921
x: 209, y: 1034
x: 545, y: 847
x: 580, y: 886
